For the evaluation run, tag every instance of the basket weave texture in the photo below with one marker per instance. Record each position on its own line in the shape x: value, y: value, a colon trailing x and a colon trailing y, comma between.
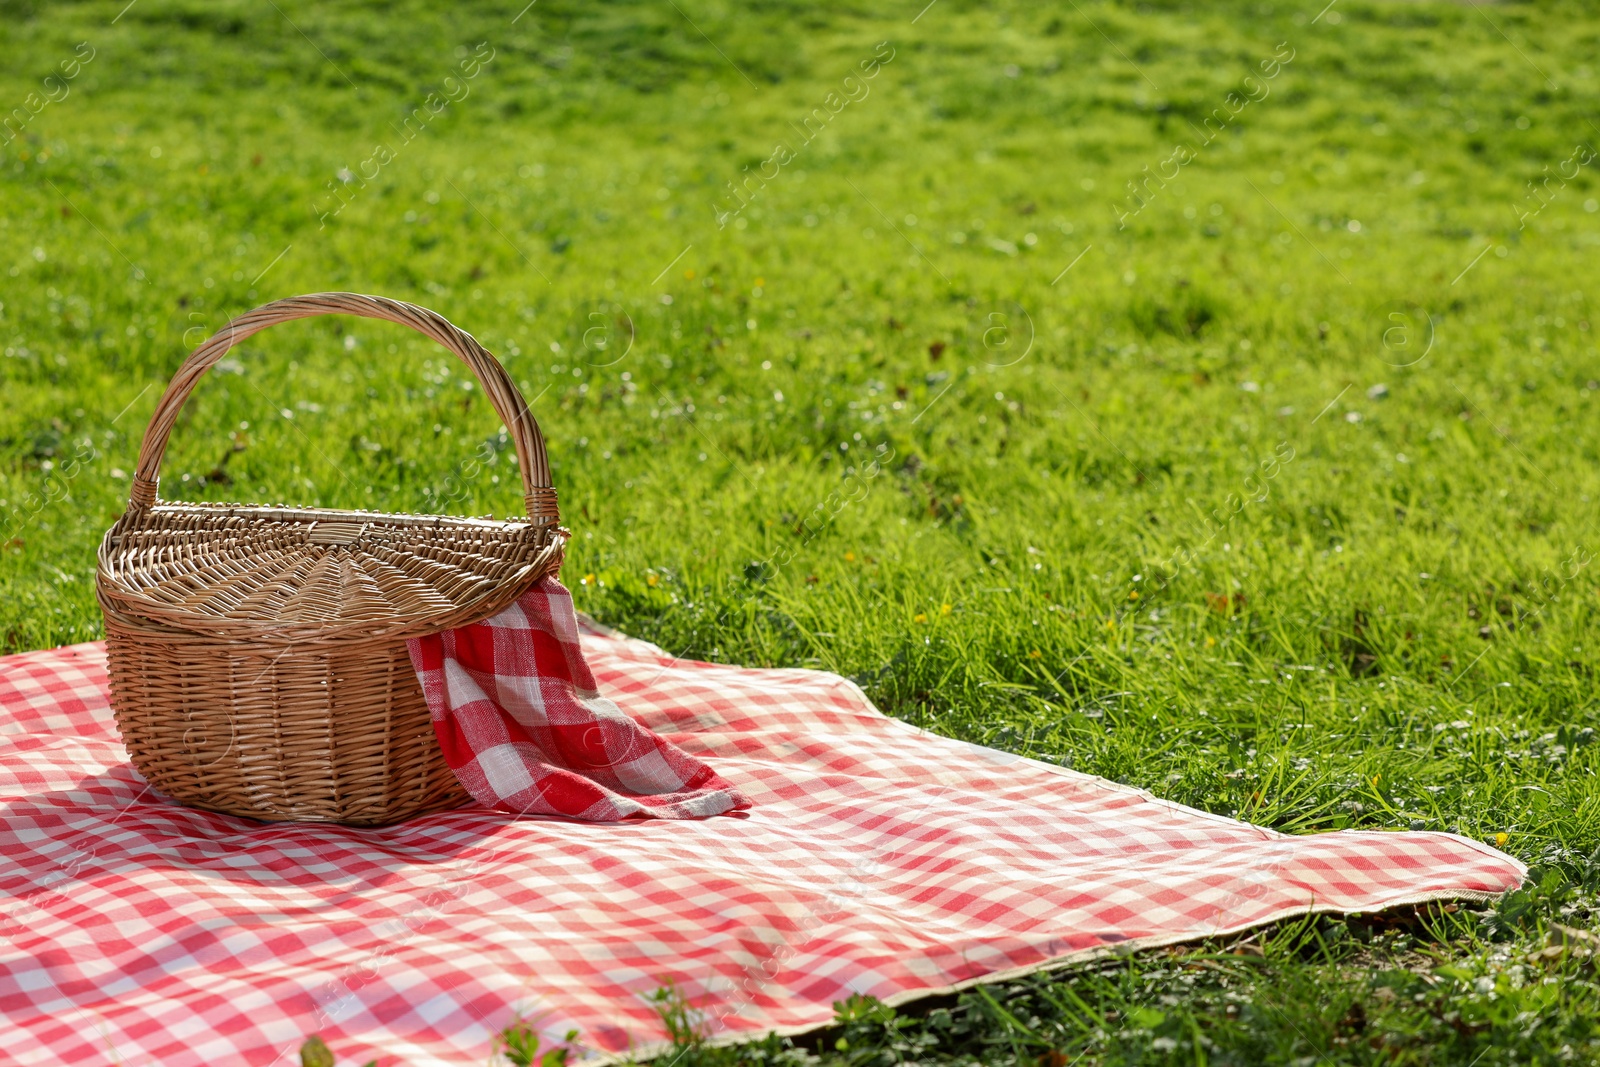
x: 258, y: 654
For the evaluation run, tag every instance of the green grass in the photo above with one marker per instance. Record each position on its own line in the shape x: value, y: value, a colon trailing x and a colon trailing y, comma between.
x: 1280, y: 502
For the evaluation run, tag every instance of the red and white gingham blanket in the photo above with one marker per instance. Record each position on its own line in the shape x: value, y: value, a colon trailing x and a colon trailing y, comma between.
x: 874, y: 858
x: 526, y: 730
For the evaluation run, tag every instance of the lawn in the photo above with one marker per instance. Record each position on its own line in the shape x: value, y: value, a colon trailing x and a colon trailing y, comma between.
x: 1205, y: 396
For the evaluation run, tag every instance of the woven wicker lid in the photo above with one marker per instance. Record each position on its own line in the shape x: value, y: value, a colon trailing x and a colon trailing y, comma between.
x: 306, y: 574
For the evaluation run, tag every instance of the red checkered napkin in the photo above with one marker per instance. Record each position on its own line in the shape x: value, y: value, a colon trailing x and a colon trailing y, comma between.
x: 525, y: 729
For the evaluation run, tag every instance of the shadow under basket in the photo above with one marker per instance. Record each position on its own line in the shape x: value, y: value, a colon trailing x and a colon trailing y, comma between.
x: 257, y: 654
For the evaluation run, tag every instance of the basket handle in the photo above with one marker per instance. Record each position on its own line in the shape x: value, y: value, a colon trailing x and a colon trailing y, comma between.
x: 538, y: 494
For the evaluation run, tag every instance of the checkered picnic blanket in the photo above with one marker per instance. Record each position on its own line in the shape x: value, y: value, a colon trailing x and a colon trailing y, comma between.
x: 524, y: 727
x: 874, y: 858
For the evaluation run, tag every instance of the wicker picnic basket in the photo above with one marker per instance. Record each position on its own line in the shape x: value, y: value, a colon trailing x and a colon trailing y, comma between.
x: 257, y: 654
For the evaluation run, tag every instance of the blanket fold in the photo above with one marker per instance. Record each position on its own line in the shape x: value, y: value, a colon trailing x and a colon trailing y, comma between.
x: 525, y: 729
